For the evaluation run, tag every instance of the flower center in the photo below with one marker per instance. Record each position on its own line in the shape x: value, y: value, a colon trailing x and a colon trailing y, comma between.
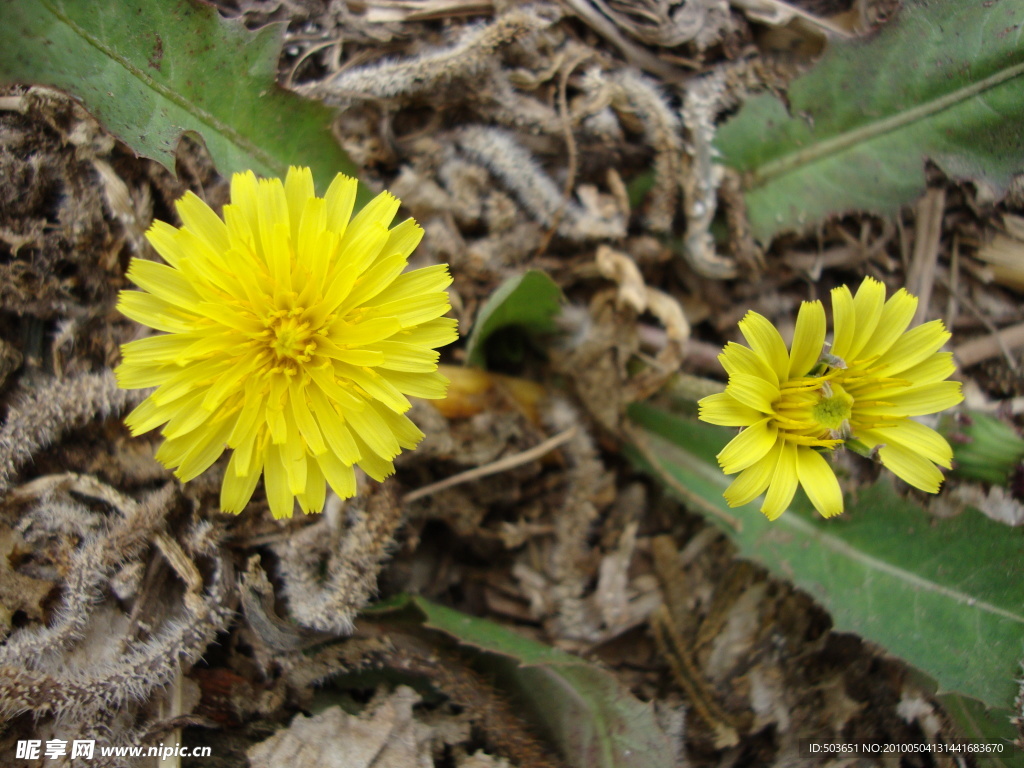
x: 834, y: 407
x: 290, y: 338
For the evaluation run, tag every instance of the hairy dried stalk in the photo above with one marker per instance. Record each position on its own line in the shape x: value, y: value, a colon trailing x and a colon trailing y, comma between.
x: 663, y: 131
x: 124, y: 540
x: 329, y: 574
x: 77, y: 697
x: 703, y: 100
x: 39, y: 416
x: 472, y: 54
x: 497, y: 151
x: 503, y: 729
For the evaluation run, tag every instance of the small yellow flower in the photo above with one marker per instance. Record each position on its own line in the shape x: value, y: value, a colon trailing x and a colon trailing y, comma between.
x: 796, y: 405
x: 292, y: 336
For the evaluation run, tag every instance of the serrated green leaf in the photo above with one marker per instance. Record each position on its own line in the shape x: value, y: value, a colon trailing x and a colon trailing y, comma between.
x: 942, y: 81
x: 583, y: 709
x: 985, y: 726
x: 945, y: 595
x: 529, y: 301
x: 153, y: 70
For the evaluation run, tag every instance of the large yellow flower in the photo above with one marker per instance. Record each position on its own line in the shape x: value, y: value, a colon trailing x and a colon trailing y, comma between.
x: 797, y: 405
x: 292, y: 335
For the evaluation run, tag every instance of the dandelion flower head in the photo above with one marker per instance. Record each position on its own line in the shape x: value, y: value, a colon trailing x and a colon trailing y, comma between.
x: 292, y: 335
x: 796, y: 406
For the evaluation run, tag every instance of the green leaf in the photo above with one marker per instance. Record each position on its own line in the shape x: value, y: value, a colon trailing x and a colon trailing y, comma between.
x: 945, y: 595
x: 941, y: 81
x: 529, y: 302
x: 985, y: 726
x: 153, y: 70
x: 584, y: 710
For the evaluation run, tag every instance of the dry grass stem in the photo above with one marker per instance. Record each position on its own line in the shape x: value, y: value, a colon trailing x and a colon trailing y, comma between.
x: 501, y: 465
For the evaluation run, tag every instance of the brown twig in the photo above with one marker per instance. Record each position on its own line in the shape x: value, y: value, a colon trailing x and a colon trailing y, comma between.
x: 501, y: 465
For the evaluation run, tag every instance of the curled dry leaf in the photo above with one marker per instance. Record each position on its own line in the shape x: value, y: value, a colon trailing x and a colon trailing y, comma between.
x: 386, y: 735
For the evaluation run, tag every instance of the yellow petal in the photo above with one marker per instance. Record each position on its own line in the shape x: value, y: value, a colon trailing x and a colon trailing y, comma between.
x: 736, y: 358
x: 844, y: 321
x: 808, y: 339
x: 275, y: 478
x: 155, y: 312
x: 156, y: 350
x: 207, y: 269
x: 244, y: 201
x: 180, y: 381
x: 919, y: 401
x: 919, y: 439
x: 410, y: 312
x: 376, y: 384
x: 748, y: 447
x: 230, y: 317
x: 164, y: 239
x: 373, y: 281
x: 248, y: 454
x: 250, y: 414
x: 236, y: 489
x: 312, y: 499
x: 429, y: 386
x: 312, y: 222
x: 228, y: 383
x: 938, y: 367
x: 374, y: 431
x: 294, y: 457
x: 204, y: 446
x: 364, y: 332
x: 400, y: 356
x: 341, y: 477
x: 867, y: 305
x: 401, y: 426
x: 240, y: 234
x: 189, y: 415
x: 298, y: 189
x: 754, y: 480
x: 148, y: 415
x: 353, y: 259
x: 134, y: 376
x: 433, y: 333
x: 783, y: 483
x: 360, y: 357
x: 303, y: 418
x: 200, y: 218
x: 723, y: 409
x: 415, y: 283
x: 272, y: 211
x: 765, y: 340
x: 753, y: 392
x: 819, y: 482
x: 334, y: 430
x: 163, y: 281
x: 377, y: 213
x: 373, y: 465
x: 341, y: 393
x: 340, y: 199
x: 403, y: 239
x: 911, y: 467
x: 274, y: 411
x: 913, y: 347
x: 896, y: 316
x: 277, y: 251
